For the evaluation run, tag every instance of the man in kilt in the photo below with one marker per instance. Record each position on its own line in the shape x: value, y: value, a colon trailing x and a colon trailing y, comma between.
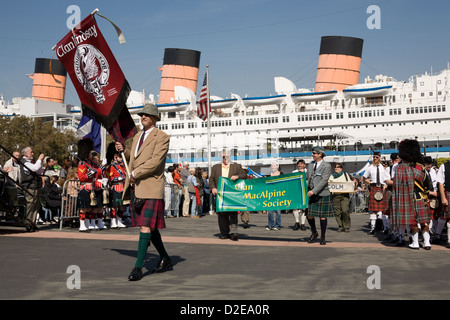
x: 320, y: 201
x: 410, y: 191
x: 433, y: 203
x: 115, y: 172
x: 375, y: 177
x: 144, y: 187
x: 443, y: 180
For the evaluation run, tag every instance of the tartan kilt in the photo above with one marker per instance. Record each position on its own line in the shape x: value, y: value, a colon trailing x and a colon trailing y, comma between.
x: 322, y: 208
x: 422, y: 212
x: 84, y: 199
x: 150, y: 215
x: 445, y: 211
x: 115, y: 198
x: 375, y: 205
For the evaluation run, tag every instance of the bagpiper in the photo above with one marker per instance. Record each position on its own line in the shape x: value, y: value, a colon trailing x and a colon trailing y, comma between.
x: 410, y: 194
x: 115, y: 172
x: 375, y: 177
x: 443, y: 180
x: 91, y: 191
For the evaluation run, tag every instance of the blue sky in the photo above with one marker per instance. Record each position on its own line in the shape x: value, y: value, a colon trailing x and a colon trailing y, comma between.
x: 246, y: 43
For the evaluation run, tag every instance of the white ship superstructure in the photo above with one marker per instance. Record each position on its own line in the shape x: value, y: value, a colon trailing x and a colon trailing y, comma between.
x: 258, y: 130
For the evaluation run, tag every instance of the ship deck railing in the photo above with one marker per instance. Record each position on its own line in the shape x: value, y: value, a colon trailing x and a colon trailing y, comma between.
x: 441, y: 152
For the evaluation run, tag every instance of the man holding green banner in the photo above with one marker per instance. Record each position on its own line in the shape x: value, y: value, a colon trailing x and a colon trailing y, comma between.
x: 283, y: 192
x: 227, y: 219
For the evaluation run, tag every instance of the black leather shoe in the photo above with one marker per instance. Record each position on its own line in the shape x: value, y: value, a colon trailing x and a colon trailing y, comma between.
x: 322, y: 241
x: 164, y: 265
x: 313, y: 237
x: 222, y: 236
x: 296, y: 226
x: 235, y: 237
x: 136, y: 274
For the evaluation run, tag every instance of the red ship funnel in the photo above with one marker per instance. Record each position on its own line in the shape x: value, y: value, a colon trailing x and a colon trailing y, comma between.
x: 339, y: 63
x: 44, y: 85
x: 180, y: 68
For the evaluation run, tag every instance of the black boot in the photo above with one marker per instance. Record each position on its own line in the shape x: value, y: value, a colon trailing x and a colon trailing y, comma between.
x: 323, y: 229
x: 314, y: 234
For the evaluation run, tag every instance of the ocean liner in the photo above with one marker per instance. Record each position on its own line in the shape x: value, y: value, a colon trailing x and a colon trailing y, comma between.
x: 348, y: 118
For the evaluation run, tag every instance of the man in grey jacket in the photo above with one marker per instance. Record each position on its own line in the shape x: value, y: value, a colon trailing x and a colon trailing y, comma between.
x: 320, y: 202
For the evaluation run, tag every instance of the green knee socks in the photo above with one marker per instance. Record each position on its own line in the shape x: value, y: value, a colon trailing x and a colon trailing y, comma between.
x: 144, y: 241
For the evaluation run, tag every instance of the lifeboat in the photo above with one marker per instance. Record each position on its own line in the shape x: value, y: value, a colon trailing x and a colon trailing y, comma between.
x: 366, y: 92
x: 260, y: 101
x: 313, y: 96
x: 223, y: 103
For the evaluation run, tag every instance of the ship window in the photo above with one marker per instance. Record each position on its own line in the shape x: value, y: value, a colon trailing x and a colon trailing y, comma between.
x: 443, y: 108
x: 431, y: 93
x: 422, y: 94
x: 407, y: 110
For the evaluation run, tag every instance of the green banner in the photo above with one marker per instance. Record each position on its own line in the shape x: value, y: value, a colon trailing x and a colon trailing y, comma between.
x: 284, y: 192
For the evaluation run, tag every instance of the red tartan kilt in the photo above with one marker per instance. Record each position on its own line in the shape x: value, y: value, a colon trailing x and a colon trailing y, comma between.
x: 445, y: 211
x: 375, y: 205
x: 422, y: 212
x: 150, y: 215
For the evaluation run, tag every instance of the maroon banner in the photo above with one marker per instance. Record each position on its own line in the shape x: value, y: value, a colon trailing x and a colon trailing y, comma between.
x: 97, y: 78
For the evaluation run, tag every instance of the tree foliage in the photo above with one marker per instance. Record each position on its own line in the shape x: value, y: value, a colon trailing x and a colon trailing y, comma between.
x: 440, y: 161
x: 21, y: 131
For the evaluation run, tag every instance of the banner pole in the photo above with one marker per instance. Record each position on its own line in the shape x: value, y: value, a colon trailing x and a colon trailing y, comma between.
x: 208, y: 107
x: 126, y: 164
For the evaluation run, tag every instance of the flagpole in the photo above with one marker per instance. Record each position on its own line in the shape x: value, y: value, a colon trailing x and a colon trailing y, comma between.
x: 209, y: 130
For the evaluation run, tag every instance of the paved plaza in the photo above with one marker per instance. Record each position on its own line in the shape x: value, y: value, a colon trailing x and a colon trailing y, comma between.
x: 263, y: 265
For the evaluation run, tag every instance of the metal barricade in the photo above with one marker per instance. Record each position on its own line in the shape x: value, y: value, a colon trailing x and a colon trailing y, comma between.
x: 69, y: 207
x: 172, y: 196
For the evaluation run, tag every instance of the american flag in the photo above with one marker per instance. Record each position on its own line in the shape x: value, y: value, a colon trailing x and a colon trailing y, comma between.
x: 202, y: 109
